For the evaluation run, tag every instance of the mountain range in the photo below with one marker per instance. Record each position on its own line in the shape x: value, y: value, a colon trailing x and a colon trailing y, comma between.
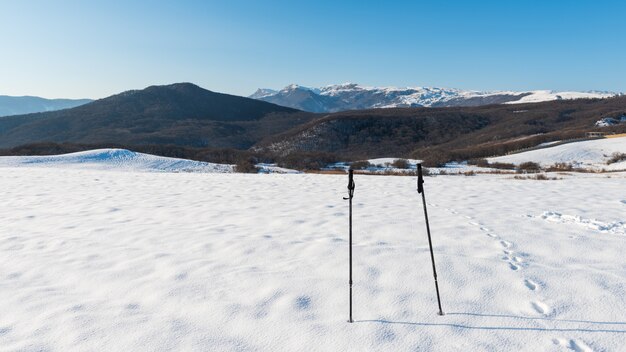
x: 351, y: 96
x: 174, y: 119
x: 25, y: 105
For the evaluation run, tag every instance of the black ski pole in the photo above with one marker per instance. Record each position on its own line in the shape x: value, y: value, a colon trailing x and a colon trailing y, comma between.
x: 420, y: 189
x: 350, y: 195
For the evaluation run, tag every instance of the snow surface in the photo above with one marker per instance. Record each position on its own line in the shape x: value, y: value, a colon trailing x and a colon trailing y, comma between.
x: 381, y: 162
x: 587, y: 154
x: 145, y: 261
x: 114, y: 159
x: 273, y: 168
x: 549, y: 95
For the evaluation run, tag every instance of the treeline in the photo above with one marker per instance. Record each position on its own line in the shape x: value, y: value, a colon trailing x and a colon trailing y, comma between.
x: 439, y: 155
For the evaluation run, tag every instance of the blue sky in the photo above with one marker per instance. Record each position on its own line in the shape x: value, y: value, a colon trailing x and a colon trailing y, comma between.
x: 97, y: 48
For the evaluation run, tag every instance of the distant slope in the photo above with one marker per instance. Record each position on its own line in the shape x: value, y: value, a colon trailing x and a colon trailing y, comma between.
x: 350, y: 96
x: 181, y: 114
x: 26, y: 105
x: 114, y: 160
x: 586, y: 154
x: 440, y: 134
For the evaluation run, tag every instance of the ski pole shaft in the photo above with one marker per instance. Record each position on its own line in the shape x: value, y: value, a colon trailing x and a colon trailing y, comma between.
x: 349, y: 198
x: 420, y: 189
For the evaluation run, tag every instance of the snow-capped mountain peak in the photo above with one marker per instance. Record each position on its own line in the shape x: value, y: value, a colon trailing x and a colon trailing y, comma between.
x: 296, y: 87
x: 353, y: 96
x: 262, y: 93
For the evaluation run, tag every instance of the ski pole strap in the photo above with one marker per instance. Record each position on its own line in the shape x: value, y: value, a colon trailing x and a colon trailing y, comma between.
x: 420, y: 179
x: 351, y: 183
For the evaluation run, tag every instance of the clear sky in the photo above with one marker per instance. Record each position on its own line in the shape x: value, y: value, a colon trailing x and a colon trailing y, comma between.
x: 93, y: 48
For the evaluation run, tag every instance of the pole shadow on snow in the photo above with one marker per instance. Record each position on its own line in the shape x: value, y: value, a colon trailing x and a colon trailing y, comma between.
x: 542, y: 318
x: 507, y: 328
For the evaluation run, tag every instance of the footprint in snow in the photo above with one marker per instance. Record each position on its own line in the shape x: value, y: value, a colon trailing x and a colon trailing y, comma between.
x: 531, y: 284
x: 506, y: 244
x: 132, y: 306
x: 540, y: 307
x: 574, y: 345
x: 303, y: 302
x: 513, y: 266
x: 492, y: 235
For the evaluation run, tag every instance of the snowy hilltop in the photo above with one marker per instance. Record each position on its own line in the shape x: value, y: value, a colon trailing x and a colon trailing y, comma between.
x: 351, y: 96
x: 114, y: 159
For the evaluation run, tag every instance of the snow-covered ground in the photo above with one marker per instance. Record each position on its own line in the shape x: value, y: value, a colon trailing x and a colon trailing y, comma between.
x: 114, y: 159
x: 144, y: 261
x: 591, y: 154
x: 537, y: 96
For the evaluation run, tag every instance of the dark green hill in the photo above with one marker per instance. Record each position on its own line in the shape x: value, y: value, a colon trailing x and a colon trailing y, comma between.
x: 181, y: 114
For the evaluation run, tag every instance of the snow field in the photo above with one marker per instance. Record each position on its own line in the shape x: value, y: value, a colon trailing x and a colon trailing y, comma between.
x: 93, y: 260
x: 114, y: 159
x: 586, y: 154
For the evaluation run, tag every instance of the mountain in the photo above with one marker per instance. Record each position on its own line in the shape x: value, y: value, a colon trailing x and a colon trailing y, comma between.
x: 181, y: 114
x: 26, y: 105
x: 443, y: 134
x: 350, y: 96
x: 262, y: 93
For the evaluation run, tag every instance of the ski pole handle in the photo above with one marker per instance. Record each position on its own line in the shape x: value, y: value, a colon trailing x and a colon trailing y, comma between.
x: 420, y: 179
x: 350, y: 184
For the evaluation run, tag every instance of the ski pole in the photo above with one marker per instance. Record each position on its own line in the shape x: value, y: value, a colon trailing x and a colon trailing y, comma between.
x: 420, y: 189
x: 350, y: 195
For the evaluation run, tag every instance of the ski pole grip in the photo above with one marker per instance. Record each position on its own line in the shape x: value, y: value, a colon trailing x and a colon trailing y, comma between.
x: 351, y: 182
x: 420, y: 179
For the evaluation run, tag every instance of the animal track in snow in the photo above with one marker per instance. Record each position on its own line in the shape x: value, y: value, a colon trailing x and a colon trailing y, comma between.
x: 506, y: 244
x: 474, y: 223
